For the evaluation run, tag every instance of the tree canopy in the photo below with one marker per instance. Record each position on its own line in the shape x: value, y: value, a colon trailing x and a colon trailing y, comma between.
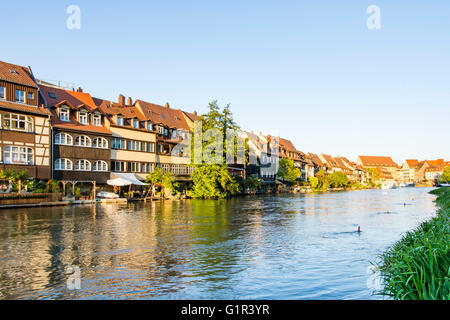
x: 445, y: 175
x: 338, y: 179
x: 288, y: 171
x: 213, y: 182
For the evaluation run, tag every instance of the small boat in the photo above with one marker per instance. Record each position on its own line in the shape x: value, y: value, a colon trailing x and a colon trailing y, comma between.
x: 410, y: 185
x: 443, y: 185
x: 402, y: 185
x: 389, y: 185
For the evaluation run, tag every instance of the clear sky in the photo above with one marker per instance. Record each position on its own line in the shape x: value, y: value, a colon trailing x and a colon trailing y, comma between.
x: 310, y: 70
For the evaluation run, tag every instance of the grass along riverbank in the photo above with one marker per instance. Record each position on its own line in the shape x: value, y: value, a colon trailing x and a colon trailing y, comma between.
x: 418, y: 266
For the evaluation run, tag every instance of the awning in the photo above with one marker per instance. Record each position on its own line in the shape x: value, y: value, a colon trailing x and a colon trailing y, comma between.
x: 125, y: 179
x: 118, y: 182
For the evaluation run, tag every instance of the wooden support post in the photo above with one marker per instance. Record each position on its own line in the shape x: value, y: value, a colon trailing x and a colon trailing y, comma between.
x: 93, y: 191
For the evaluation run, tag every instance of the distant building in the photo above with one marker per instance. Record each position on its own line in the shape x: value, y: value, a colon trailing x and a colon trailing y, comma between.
x: 386, y: 167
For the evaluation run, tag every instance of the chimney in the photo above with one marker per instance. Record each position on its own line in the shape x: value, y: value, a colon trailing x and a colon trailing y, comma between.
x: 129, y: 101
x: 167, y: 105
x: 195, y: 112
x: 121, y: 99
x: 79, y: 89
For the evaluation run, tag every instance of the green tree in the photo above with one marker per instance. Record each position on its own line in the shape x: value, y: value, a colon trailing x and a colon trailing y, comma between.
x: 320, y: 182
x: 314, y: 182
x: 288, y: 171
x: 213, y: 182
x: 338, y: 180
x: 164, y: 179
x: 374, y: 174
x: 223, y: 121
x: 445, y: 175
x: 212, y: 179
x: 17, y: 177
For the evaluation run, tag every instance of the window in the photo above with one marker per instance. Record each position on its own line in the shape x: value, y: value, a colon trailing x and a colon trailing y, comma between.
x: 63, y: 164
x: 18, y: 122
x: 144, y: 167
x: 64, y: 139
x: 83, y: 141
x: 52, y: 95
x: 20, y: 96
x: 30, y: 96
x: 136, y: 123
x: 120, y: 120
x: 97, y: 120
x: 100, y: 143
x: 143, y: 146
x: 133, y: 145
x: 64, y: 114
x: 161, y: 130
x: 100, y: 166
x: 117, y: 143
x: 166, y: 132
x: 2, y: 93
x: 149, y: 126
x: 20, y: 155
x: 83, y: 165
x: 118, y: 166
x: 151, y: 147
x: 83, y: 117
x: 134, y: 166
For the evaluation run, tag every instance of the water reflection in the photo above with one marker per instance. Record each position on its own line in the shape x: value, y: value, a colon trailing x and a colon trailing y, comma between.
x: 257, y: 247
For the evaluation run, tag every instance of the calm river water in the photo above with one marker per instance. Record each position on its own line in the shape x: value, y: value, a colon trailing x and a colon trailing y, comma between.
x: 292, y: 246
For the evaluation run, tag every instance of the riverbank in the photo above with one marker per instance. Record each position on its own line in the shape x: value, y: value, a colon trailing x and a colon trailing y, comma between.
x: 418, y: 266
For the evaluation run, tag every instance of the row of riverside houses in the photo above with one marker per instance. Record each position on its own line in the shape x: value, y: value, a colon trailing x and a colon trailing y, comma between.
x: 70, y: 136
x: 360, y: 171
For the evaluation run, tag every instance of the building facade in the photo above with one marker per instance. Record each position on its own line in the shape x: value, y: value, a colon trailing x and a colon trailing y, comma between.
x: 81, y: 141
x: 25, y: 141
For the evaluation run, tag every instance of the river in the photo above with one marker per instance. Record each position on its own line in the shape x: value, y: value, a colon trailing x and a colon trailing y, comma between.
x: 293, y: 246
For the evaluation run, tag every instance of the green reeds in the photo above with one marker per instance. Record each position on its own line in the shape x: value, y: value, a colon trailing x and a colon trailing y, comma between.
x: 418, y: 266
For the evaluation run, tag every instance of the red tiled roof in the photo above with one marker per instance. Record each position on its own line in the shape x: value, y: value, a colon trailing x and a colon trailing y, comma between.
x: 437, y: 163
x: 111, y: 108
x: 20, y: 75
x: 412, y: 163
x: 75, y: 99
x: 72, y: 99
x: 173, y: 118
x: 192, y: 116
x: 24, y: 108
x: 285, y: 143
x: 378, y: 161
x: 315, y: 158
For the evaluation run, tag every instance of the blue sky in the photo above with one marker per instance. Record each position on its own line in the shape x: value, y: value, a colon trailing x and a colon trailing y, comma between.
x: 310, y: 70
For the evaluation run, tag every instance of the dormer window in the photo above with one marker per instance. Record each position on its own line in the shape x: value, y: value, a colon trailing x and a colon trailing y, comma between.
x: 161, y: 130
x: 97, y: 120
x: 2, y: 93
x: 20, y: 96
x: 83, y: 117
x: 52, y: 95
x: 149, y: 126
x: 136, y: 123
x: 120, y: 120
x: 64, y: 114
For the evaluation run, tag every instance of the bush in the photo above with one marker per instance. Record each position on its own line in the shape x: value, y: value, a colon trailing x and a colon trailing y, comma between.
x: 418, y: 266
